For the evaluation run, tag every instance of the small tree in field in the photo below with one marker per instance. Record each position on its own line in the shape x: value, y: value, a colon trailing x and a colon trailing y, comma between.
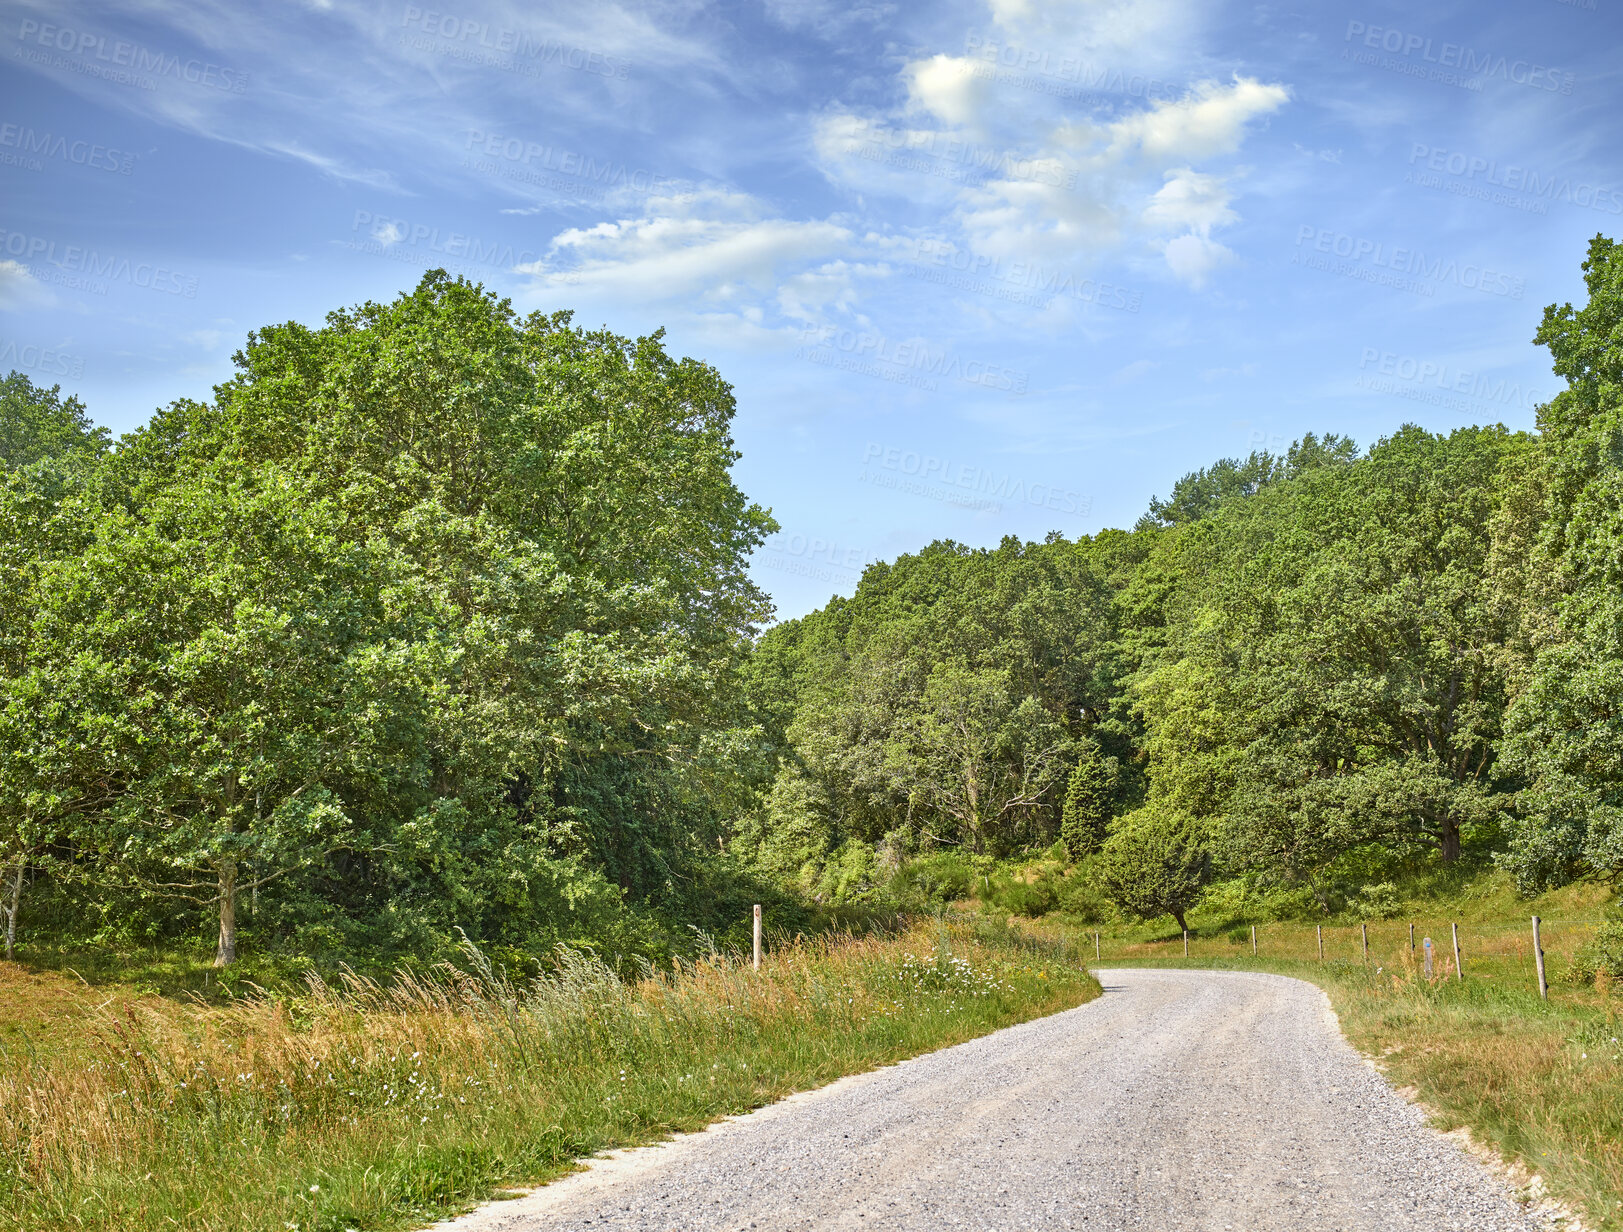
x: 1156, y: 863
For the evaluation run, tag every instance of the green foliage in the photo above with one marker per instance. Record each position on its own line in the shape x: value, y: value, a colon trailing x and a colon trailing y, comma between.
x: 1086, y: 813
x: 1156, y: 861
x: 37, y: 423
x: 1024, y: 893
x: 1566, y: 726
x: 1082, y: 898
x: 1326, y: 659
x: 1380, y: 901
x: 932, y: 882
x: 1331, y: 676
x: 941, y: 706
x: 436, y: 616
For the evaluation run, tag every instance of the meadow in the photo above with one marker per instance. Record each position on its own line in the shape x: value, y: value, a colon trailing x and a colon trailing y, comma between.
x: 359, y: 1103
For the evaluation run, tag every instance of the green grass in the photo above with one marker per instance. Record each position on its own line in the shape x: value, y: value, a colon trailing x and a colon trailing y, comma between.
x: 373, y: 1107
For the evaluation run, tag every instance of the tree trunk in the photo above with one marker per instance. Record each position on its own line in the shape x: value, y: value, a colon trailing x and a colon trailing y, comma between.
x: 1450, y: 840
x: 227, y: 951
x: 1183, y: 925
x: 13, y: 907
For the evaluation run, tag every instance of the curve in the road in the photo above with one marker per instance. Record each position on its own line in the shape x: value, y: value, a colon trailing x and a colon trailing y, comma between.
x: 1180, y: 1100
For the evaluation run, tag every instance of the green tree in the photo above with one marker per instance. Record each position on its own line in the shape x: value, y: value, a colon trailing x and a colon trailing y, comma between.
x: 1566, y: 725
x: 39, y: 423
x: 442, y: 609
x: 54, y: 767
x: 973, y: 753
x: 1086, y: 813
x: 1334, y: 671
x: 1156, y: 862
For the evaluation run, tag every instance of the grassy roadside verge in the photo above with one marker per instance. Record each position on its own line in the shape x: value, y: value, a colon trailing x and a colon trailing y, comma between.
x: 1542, y: 1082
x: 371, y: 1108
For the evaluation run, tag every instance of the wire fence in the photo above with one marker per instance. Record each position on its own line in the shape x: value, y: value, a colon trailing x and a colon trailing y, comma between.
x: 1459, y: 949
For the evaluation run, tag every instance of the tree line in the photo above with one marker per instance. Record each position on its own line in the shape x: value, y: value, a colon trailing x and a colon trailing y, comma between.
x: 438, y: 616
x: 1296, y: 664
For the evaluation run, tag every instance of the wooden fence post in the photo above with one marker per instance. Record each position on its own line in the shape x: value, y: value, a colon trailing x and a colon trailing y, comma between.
x: 1319, y: 928
x: 757, y: 936
x: 1428, y: 958
x: 1411, y: 941
x: 1538, y: 957
x: 1459, y: 971
x: 1096, y: 945
x: 1365, y: 929
x: 1186, y: 943
x: 1253, y: 941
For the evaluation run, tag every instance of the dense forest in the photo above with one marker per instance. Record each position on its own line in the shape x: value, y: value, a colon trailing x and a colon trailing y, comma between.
x: 438, y: 618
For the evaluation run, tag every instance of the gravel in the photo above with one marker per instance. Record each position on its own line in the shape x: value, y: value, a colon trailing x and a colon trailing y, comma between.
x: 1180, y: 1100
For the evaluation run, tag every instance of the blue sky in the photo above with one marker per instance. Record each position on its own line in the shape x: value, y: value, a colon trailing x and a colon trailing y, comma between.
x: 978, y: 269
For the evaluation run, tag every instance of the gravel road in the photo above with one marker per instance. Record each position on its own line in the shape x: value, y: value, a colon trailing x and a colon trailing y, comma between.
x: 1180, y: 1100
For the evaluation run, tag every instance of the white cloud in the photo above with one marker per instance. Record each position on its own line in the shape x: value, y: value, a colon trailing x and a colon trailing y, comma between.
x: 1133, y: 371
x: 1196, y: 202
x: 811, y: 296
x: 714, y: 249
x: 948, y: 88
x: 1194, y: 258
x: 1192, y: 200
x: 364, y: 86
x: 1211, y: 119
x: 18, y: 288
x: 828, y: 19
x: 388, y: 233
x: 1020, y: 180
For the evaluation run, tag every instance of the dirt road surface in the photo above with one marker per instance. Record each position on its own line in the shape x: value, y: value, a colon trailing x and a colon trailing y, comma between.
x: 1180, y: 1101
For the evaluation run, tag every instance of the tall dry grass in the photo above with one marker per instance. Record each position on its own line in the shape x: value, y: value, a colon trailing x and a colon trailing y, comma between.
x: 366, y: 1105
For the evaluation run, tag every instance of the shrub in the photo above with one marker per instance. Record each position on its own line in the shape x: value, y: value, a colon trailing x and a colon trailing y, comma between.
x: 1081, y: 898
x: 1376, y: 902
x: 1156, y: 863
x: 932, y: 881
x: 1021, y: 897
x: 1601, y: 953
